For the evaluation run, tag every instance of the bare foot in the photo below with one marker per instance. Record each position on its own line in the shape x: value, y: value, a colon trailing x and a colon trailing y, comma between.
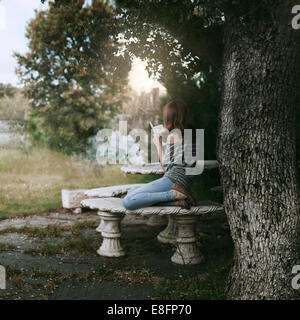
x: 178, y: 195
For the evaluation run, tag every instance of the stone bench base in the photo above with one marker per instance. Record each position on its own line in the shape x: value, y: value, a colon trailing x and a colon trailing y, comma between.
x: 182, y: 223
x: 186, y: 251
x: 169, y: 234
x: 111, y: 233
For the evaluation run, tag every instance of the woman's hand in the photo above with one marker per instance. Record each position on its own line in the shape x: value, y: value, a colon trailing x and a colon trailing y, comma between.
x: 157, y: 140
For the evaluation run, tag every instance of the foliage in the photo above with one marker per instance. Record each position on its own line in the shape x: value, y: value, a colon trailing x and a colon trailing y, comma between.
x: 182, y: 52
x: 13, y: 107
x: 171, y: 33
x: 7, y: 90
x: 182, y: 42
x: 72, y: 73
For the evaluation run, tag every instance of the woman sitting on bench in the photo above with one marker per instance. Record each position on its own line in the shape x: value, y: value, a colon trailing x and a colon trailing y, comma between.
x: 174, y: 187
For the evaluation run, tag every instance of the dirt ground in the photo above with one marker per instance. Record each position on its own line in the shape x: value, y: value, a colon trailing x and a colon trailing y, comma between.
x: 54, y: 257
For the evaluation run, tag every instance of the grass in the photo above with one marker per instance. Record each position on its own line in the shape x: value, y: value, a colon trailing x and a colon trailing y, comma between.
x: 49, y: 281
x: 75, y: 243
x: 71, y: 245
x: 31, y: 180
x: 51, y: 231
x: 209, y: 286
x: 6, y: 247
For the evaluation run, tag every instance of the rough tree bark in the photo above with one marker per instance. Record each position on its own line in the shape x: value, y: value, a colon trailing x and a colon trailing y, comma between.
x: 256, y: 151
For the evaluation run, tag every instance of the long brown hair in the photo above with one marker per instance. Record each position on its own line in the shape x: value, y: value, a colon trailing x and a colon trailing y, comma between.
x: 176, y: 116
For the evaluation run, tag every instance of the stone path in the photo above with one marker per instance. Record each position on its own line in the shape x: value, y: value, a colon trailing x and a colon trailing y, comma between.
x: 55, y: 218
x: 66, y: 266
x: 105, y: 290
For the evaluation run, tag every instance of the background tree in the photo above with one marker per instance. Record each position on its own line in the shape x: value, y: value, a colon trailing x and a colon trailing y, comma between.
x: 256, y: 143
x: 182, y: 53
x: 7, y: 90
x: 73, y: 75
x: 141, y: 108
x: 13, y: 105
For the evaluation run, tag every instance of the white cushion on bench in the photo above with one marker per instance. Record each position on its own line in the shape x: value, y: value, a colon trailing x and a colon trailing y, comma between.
x: 114, y: 205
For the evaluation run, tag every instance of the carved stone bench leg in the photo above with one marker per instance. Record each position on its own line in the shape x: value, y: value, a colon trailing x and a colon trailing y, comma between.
x: 111, y: 233
x: 101, y: 225
x: 169, y: 234
x: 186, y: 252
x: 156, y: 220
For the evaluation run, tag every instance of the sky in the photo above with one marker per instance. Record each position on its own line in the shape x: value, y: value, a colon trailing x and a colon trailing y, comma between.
x: 14, y: 17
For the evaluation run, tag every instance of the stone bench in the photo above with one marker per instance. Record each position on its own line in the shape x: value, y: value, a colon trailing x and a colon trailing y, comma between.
x: 181, y: 226
x: 155, y: 168
x: 71, y: 199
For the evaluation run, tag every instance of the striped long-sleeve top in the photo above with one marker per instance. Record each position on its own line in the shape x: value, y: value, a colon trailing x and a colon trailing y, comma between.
x: 175, y: 162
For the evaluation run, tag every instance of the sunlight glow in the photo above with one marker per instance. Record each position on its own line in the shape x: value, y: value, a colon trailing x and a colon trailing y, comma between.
x: 139, y: 78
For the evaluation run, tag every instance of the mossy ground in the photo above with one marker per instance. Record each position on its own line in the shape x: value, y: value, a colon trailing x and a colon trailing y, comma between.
x: 59, y: 262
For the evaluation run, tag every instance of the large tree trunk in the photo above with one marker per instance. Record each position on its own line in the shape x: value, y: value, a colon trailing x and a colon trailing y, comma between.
x: 256, y: 151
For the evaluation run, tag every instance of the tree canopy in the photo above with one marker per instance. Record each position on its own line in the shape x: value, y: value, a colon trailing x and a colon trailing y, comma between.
x: 73, y: 75
x: 181, y: 52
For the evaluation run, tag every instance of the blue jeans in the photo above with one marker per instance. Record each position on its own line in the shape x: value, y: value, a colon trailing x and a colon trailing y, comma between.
x: 157, y: 191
